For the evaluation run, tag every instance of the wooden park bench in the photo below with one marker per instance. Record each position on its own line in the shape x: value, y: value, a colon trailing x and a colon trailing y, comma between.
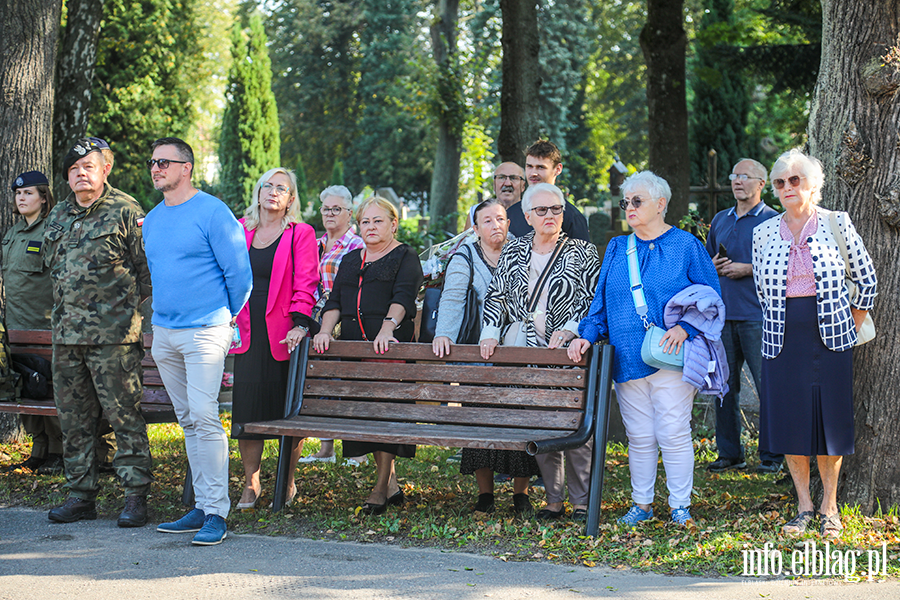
x: 522, y: 400
x: 156, y: 407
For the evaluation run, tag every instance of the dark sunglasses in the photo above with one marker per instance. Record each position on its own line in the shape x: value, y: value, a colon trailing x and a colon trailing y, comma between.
x: 794, y: 180
x: 163, y: 163
x: 541, y: 211
x: 635, y: 202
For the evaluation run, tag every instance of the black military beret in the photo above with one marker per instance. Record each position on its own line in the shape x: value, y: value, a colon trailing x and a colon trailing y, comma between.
x: 29, y: 179
x: 82, y: 148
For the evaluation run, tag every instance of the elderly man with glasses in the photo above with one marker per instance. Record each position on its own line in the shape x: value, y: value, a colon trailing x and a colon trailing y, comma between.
x: 729, y: 244
x: 543, y: 164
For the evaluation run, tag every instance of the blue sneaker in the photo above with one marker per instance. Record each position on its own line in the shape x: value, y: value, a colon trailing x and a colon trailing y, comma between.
x: 635, y: 515
x: 189, y: 523
x: 682, y: 516
x: 212, y: 532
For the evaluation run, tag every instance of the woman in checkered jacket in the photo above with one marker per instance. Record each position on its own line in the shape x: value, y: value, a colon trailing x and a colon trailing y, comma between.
x: 810, y: 326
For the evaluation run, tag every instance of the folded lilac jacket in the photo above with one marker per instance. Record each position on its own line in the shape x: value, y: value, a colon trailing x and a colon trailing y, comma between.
x: 705, y: 362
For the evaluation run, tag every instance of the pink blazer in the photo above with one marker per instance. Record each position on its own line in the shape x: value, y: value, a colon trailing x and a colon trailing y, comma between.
x: 291, y: 289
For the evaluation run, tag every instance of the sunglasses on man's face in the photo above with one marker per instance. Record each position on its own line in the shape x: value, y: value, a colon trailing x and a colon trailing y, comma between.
x: 794, y: 180
x: 163, y: 163
x: 541, y: 211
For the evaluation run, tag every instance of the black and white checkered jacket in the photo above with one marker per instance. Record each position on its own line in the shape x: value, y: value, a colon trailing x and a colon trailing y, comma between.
x: 770, y: 267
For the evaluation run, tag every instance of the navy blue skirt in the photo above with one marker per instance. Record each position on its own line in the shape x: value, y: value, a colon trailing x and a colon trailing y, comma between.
x: 806, y: 400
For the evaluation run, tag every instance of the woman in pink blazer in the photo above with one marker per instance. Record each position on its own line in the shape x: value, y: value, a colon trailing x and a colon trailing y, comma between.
x: 285, y: 263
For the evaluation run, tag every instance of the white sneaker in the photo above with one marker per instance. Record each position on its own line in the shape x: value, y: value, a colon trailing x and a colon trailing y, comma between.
x: 317, y: 459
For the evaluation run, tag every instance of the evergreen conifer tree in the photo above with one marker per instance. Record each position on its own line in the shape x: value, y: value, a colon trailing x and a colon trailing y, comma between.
x: 720, y: 106
x: 337, y: 173
x: 250, y: 143
x: 303, y: 193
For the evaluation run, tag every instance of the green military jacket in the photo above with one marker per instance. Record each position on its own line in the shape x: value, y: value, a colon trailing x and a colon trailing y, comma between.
x: 26, y: 279
x: 98, y: 268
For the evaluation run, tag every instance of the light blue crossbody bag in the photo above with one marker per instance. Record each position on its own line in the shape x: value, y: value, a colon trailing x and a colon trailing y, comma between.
x: 651, y: 352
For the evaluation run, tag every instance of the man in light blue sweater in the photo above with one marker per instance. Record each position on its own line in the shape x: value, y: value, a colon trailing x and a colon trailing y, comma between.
x: 199, y: 264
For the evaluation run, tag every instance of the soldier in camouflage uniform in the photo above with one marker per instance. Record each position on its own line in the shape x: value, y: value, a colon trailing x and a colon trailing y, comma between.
x: 99, y: 271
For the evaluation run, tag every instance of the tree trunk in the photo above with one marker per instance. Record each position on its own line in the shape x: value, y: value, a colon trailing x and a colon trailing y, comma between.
x: 663, y: 42
x: 853, y: 130
x: 519, y: 97
x: 444, y: 195
x: 28, y: 36
x: 75, y: 72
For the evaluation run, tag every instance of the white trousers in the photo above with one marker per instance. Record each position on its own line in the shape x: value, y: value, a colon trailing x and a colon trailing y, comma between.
x: 656, y: 411
x: 191, y: 363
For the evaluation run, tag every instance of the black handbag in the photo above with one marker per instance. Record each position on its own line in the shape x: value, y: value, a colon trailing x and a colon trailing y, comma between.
x: 36, y: 376
x: 470, y: 324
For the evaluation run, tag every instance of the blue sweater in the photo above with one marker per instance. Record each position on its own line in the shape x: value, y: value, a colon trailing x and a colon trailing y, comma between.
x: 677, y: 260
x: 199, y: 264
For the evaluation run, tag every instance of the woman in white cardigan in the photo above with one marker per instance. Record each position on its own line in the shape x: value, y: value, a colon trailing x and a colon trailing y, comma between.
x: 810, y: 327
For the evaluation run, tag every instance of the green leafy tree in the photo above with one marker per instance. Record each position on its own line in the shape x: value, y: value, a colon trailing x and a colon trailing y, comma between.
x: 145, y: 76
x: 720, y: 101
x: 395, y: 143
x: 316, y: 72
x: 250, y: 142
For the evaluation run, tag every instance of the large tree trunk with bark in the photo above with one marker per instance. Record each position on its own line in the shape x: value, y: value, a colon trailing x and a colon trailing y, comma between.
x: 519, y: 97
x: 854, y: 130
x: 28, y: 37
x: 75, y: 73
x: 451, y: 110
x: 663, y: 42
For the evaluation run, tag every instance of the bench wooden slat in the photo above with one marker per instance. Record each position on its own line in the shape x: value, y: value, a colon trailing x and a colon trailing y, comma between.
x: 460, y: 353
x: 434, y: 413
x: 526, y: 376
x: 438, y: 392
x: 423, y: 434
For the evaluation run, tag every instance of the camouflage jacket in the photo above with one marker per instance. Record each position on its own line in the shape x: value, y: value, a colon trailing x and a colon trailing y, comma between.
x: 98, y: 268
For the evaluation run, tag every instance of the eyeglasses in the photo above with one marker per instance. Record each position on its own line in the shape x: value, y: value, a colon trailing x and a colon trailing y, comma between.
x: 278, y: 190
x: 512, y: 178
x: 334, y: 210
x: 163, y: 163
x: 742, y: 177
x: 794, y: 180
x: 541, y: 211
x: 635, y: 202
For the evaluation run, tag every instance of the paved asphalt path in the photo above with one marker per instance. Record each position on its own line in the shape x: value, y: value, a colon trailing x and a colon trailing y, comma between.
x: 96, y: 560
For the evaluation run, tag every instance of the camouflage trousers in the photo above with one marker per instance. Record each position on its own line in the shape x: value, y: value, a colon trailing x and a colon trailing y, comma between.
x: 90, y: 382
x: 46, y: 437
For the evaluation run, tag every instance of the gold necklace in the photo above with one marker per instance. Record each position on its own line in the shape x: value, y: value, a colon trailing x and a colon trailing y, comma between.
x: 268, y: 243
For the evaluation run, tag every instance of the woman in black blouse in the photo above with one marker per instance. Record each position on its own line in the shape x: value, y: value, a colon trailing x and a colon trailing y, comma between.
x: 377, y: 284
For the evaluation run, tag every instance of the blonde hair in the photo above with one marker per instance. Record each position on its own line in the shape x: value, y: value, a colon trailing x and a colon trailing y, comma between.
x: 381, y: 203
x: 291, y: 215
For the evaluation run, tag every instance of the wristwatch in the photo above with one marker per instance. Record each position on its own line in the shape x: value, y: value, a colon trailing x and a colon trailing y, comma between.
x: 392, y: 319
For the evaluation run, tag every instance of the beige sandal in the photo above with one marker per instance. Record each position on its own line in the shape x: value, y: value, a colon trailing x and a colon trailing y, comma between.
x: 798, y: 524
x: 831, y: 526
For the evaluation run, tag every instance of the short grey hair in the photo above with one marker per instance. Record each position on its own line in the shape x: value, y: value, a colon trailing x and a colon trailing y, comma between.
x: 541, y: 187
x: 341, y: 192
x: 809, y: 166
x: 655, y: 185
x: 756, y: 168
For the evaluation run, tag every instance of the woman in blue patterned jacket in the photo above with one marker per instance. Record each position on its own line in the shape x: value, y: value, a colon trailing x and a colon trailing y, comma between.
x: 655, y: 403
x: 810, y: 326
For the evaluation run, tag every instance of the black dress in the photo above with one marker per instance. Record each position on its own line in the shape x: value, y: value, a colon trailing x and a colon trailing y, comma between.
x: 806, y: 395
x: 395, y: 278
x: 260, y: 381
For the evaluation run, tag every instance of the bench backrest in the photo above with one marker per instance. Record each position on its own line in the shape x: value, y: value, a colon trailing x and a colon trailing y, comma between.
x: 40, y: 342
x: 526, y: 388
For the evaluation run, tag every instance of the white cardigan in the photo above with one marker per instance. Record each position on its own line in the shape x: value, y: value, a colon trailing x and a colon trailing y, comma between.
x: 770, y: 266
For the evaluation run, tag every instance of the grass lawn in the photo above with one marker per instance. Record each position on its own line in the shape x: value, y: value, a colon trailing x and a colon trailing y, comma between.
x: 734, y: 512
